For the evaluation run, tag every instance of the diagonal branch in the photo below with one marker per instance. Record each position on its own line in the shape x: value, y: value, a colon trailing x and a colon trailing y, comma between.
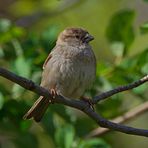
x: 114, y: 91
x: 114, y: 126
x: 27, y: 84
x: 133, y: 113
x: 79, y: 104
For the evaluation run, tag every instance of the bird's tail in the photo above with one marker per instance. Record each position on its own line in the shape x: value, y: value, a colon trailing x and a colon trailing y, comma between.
x: 38, y: 109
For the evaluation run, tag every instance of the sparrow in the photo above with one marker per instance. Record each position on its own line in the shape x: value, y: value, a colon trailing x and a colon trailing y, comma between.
x: 69, y: 69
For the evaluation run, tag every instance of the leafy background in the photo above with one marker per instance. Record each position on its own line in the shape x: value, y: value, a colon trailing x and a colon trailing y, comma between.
x: 28, y: 32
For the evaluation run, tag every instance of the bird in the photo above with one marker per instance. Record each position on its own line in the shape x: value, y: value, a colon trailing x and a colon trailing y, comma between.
x: 69, y: 69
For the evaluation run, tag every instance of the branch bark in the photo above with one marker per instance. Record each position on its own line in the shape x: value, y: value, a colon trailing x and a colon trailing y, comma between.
x: 114, y: 91
x: 79, y: 104
x: 133, y: 113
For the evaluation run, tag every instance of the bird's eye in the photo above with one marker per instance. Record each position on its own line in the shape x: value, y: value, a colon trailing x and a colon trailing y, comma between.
x: 77, y: 36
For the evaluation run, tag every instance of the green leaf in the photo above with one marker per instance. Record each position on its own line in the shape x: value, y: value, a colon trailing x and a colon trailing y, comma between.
x: 103, y: 68
x: 49, y: 33
x: 26, y: 139
x: 62, y: 112
x: 120, y: 28
x: 141, y: 89
x: 5, y: 37
x: 17, y: 91
x: 48, y: 124
x: 22, y: 66
x: 25, y: 125
x: 1, y: 100
x: 144, y: 69
x: 117, y: 49
x: 106, y: 85
x: 17, y: 31
x: 69, y: 136
x: 93, y: 143
x: 5, y: 25
x: 1, y: 52
x: 9, y: 31
x: 128, y: 63
x: 48, y: 37
x: 145, y: 0
x: 144, y: 28
x: 64, y: 136
x: 83, y: 126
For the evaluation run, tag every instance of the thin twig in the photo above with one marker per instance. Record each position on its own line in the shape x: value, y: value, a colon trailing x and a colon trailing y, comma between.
x: 79, y: 104
x: 138, y: 110
x: 114, y: 91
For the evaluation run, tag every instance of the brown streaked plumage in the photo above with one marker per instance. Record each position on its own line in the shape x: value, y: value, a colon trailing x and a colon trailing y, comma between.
x: 69, y: 69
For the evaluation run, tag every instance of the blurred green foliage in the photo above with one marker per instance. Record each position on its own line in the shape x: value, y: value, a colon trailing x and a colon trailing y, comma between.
x: 23, y: 51
x: 144, y: 28
x: 121, y: 29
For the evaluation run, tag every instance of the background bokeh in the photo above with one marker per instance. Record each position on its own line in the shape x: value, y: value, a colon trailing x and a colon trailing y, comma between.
x: 28, y: 32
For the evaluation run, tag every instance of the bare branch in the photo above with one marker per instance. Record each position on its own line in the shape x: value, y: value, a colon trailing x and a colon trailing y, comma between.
x: 119, y: 89
x: 114, y: 126
x: 121, y: 119
x: 79, y: 104
x: 27, y: 84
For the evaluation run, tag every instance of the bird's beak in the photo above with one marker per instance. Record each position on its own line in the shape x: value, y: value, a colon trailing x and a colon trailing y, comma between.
x: 88, y: 38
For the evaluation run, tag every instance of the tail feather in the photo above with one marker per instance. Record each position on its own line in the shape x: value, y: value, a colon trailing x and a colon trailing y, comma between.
x: 38, y: 109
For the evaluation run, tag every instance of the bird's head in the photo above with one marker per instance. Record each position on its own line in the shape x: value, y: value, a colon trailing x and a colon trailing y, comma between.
x: 74, y: 36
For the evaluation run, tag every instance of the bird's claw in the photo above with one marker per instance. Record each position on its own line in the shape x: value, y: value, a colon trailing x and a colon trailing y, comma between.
x: 87, y: 100
x: 54, y: 94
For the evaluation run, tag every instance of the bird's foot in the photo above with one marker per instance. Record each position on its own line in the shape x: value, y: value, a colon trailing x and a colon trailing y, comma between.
x: 88, y: 100
x: 54, y: 94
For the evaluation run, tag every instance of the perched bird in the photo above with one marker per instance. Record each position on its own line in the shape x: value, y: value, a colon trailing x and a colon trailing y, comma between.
x: 69, y: 69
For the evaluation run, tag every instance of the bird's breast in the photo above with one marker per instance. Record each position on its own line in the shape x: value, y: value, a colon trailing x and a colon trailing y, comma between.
x: 71, y: 71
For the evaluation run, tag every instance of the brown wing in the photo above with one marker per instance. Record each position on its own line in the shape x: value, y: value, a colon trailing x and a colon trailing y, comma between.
x: 46, y: 61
